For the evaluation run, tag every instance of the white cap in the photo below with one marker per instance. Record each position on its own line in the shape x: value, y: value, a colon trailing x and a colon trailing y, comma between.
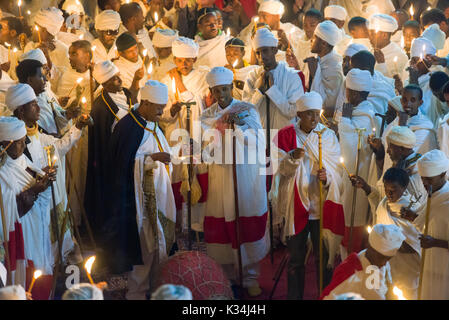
x: 421, y: 47
x: 402, y: 137
x: 50, y: 19
x: 386, y: 239
x: 219, y: 76
x: 172, y: 292
x: 354, y: 48
x: 434, y: 34
x: 12, y: 129
x: 329, y: 32
x: 264, y: 38
x: 359, y: 80
x: 108, y: 20
x: 433, y: 163
x: 335, y: 12
x: 155, y: 92
x: 382, y: 22
x: 16, y: 292
x: 18, y: 95
x: 163, y: 38
x: 103, y: 71
x: 396, y: 103
x: 83, y: 291
x: 309, y: 101
x: 274, y: 7
x: 185, y: 48
x: 73, y: 6
x: 35, y: 54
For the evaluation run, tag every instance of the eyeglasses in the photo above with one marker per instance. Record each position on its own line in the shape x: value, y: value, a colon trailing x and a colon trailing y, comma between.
x: 111, y: 32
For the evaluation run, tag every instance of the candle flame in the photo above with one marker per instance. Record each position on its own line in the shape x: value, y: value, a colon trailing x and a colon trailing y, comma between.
x: 150, y: 68
x: 374, y: 129
x: 156, y: 17
x: 36, y: 28
x: 395, y: 59
x: 19, y: 3
x: 429, y: 8
x: 83, y: 100
x: 79, y: 81
x: 369, y: 229
x: 81, y: 36
x: 228, y: 32
x: 235, y: 63
x: 398, y: 293
x: 256, y: 19
x: 94, y: 48
x: 402, y: 42
x: 7, y: 44
x: 342, y: 160
x: 412, y: 11
x: 14, y: 50
x: 145, y: 52
x: 173, y: 85
x: 37, y: 274
x: 89, y: 263
x: 28, y: 12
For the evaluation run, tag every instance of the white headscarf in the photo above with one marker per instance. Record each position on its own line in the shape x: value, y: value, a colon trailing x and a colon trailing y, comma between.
x: 185, y: 48
x: 434, y: 34
x: 402, y: 137
x: 382, y: 22
x: 329, y: 32
x: 107, y: 20
x: 83, y: 291
x: 354, y: 48
x: 18, y: 95
x: 73, y: 6
x: 50, y: 19
x: 335, y: 12
x: 386, y: 239
x: 12, y: 129
x: 155, y: 92
x: 163, y: 38
x: 421, y: 47
x: 35, y: 54
x: 103, y: 71
x: 309, y: 101
x: 264, y: 38
x: 219, y: 76
x: 359, y: 80
x: 433, y: 163
x: 16, y: 292
x: 274, y: 7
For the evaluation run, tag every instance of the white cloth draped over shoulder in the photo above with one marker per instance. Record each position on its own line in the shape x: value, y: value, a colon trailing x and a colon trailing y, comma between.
x: 212, y: 52
x: 389, y: 68
x: 101, y: 53
x: 128, y: 70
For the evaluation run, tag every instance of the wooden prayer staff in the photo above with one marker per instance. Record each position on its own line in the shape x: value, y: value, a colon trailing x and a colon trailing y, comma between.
x: 236, y: 203
x: 36, y: 275
x: 88, y: 267
x: 354, y: 196
x: 320, y: 160
x: 423, y: 254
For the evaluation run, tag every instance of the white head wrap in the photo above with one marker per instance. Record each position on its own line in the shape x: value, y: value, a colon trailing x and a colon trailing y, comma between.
x: 185, y: 48
x: 35, y: 54
x: 421, y: 47
x: 163, y: 38
x: 309, y: 101
x: 50, y: 19
x: 386, y: 239
x: 434, y: 34
x: 18, y: 95
x: 359, y: 80
x: 219, y: 76
x: 396, y: 103
x: 107, y: 20
x: 155, y: 92
x: 16, y: 292
x: 349, y: 296
x: 12, y: 129
x: 83, y: 291
x: 172, y: 292
x: 402, y: 137
x: 433, y: 163
x: 354, y: 48
x: 329, y: 32
x: 103, y: 71
x: 73, y: 6
x: 264, y: 38
x: 272, y: 7
x: 382, y: 22
x: 335, y: 12
x: 73, y: 21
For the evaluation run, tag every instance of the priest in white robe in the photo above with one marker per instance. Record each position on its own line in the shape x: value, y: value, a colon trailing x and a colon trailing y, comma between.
x: 107, y: 25
x: 338, y: 15
x: 162, y: 41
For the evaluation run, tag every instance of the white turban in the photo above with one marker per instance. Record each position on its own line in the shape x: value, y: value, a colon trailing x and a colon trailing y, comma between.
x: 163, y: 38
x: 434, y: 34
x: 155, y: 92
x: 103, y: 71
x: 73, y: 21
x: 264, y: 38
x: 354, y: 48
x: 185, y: 48
x: 359, y: 80
x: 382, y: 22
x: 83, y: 291
x: 172, y: 292
x: 433, y: 163
x: 396, y: 104
x: 402, y: 137
x: 422, y: 47
x: 272, y: 7
x: 329, y: 32
x: 219, y: 76
x: 386, y: 239
x: 50, y: 19
x: 35, y: 54
x: 16, y: 292
x: 12, y: 129
x: 335, y: 12
x: 107, y: 20
x: 309, y: 101
x: 18, y: 95
x: 73, y: 6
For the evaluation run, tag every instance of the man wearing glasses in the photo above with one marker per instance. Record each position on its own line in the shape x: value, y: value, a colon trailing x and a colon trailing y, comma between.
x: 107, y: 25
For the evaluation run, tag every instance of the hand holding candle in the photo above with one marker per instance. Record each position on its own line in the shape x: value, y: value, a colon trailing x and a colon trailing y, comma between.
x: 342, y: 161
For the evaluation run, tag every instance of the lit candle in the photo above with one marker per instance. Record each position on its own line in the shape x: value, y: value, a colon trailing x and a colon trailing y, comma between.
x: 322, y: 117
x: 94, y: 48
x: 174, y: 89
x: 19, y: 4
x: 402, y: 42
x: 28, y: 12
x: 290, y: 38
x: 342, y: 161
x: 256, y: 21
x: 375, y: 42
x: 83, y: 100
x: 78, y: 81
x: 156, y: 19
x: 38, y: 33
x: 412, y: 12
x: 36, y: 275
x: 234, y: 64
x: 81, y: 36
x: 369, y: 229
x: 55, y: 158
x: 9, y: 50
x: 374, y: 131
x: 398, y: 293
x: 228, y: 32
x: 88, y: 267
x: 429, y: 8
x: 150, y: 70
x: 145, y: 55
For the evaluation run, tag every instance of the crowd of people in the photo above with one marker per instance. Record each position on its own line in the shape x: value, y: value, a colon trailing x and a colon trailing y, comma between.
x: 321, y: 126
